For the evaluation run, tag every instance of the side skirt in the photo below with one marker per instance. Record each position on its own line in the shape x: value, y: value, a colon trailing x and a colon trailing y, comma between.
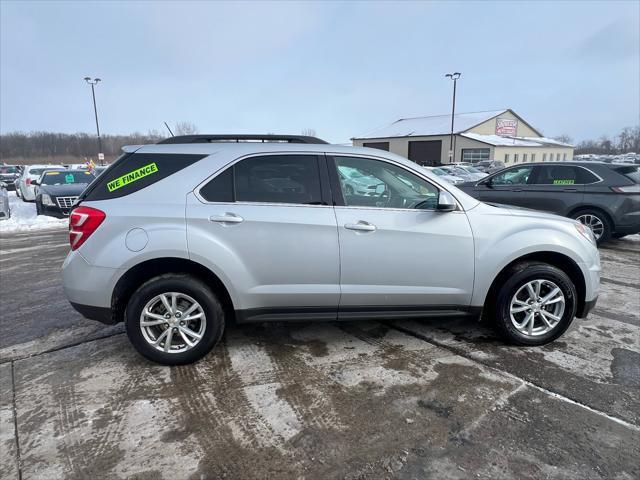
x: 304, y: 314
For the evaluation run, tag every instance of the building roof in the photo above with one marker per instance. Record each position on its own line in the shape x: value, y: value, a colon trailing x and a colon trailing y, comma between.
x: 500, y: 141
x: 433, y: 125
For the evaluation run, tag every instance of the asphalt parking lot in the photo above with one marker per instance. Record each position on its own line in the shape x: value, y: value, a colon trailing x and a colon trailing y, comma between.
x: 437, y: 399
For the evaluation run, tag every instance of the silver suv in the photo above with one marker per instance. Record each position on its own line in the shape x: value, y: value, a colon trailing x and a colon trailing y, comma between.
x: 176, y: 239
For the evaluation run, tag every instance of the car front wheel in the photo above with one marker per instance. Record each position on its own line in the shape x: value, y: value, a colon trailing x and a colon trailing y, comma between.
x: 174, y: 319
x: 535, y: 305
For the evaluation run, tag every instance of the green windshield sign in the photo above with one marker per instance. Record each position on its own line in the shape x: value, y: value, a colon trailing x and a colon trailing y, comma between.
x: 131, y: 177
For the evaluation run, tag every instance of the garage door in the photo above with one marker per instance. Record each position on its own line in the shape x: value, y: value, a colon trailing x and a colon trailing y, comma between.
x: 426, y: 152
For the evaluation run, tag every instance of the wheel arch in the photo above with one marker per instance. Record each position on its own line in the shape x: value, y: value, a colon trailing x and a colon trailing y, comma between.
x: 558, y: 260
x: 131, y: 280
x: 608, y: 215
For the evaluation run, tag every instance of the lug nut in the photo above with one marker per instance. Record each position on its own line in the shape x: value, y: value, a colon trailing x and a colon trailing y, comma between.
x: 167, y: 316
x: 182, y: 324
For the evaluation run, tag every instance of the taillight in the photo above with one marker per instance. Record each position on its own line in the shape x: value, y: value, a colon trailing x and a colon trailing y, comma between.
x: 28, y: 181
x: 627, y: 189
x: 83, y: 221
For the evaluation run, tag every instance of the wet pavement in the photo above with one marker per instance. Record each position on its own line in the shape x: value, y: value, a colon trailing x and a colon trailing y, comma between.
x: 441, y: 399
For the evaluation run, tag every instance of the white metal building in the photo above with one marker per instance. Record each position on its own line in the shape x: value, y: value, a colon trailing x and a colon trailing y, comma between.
x: 493, y: 135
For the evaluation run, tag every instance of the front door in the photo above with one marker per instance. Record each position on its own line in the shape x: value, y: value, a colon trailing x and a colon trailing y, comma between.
x: 506, y: 187
x: 397, y: 253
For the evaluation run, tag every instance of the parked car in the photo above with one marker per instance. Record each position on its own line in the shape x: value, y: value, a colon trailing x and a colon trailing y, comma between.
x: 445, y: 175
x: 463, y: 172
x: 57, y: 191
x: 603, y: 196
x: 29, y: 174
x: 9, y: 174
x: 356, y: 183
x: 489, y: 166
x: 473, y: 172
x: 5, y: 211
x: 176, y: 239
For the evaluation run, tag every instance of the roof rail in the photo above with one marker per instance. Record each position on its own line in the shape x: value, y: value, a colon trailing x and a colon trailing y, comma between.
x: 241, y: 138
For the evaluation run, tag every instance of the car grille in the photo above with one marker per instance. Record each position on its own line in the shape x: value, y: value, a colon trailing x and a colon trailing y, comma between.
x: 65, y: 202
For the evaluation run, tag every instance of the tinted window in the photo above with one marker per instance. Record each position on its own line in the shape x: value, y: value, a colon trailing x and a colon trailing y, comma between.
x: 373, y: 183
x: 220, y: 188
x: 513, y: 176
x: 136, y: 171
x: 632, y: 173
x: 278, y: 179
x: 564, y: 175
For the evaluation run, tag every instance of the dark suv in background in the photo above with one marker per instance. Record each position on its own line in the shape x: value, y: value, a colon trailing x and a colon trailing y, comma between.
x: 605, y: 197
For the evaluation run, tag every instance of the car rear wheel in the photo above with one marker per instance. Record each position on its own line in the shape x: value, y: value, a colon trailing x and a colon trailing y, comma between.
x: 174, y: 319
x: 536, y: 304
x: 597, y: 222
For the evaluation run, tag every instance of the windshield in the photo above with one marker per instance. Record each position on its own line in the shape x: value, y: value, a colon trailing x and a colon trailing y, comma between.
x: 439, y: 171
x: 36, y: 171
x: 471, y: 169
x: 68, y: 177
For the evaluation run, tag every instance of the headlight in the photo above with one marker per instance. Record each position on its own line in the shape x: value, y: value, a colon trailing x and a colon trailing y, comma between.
x: 585, y: 232
x: 46, y: 199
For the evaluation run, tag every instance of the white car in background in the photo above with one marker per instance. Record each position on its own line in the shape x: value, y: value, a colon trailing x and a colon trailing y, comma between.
x: 445, y: 175
x: 468, y: 172
x: 5, y: 211
x: 29, y: 174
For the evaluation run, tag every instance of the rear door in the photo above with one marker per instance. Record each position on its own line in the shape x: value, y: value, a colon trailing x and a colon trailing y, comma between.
x: 266, y: 224
x: 557, y: 188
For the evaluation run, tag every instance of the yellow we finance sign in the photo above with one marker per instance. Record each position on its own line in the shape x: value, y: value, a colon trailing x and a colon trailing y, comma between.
x: 131, y: 177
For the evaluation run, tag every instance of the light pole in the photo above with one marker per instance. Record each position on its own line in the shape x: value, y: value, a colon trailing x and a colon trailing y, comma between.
x: 93, y: 83
x: 452, y: 143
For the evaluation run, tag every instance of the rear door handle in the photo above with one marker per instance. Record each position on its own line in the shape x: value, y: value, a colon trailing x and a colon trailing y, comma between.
x: 226, y: 218
x: 361, y: 226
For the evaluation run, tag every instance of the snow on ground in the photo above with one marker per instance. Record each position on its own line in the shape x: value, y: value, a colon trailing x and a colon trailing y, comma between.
x: 24, y: 218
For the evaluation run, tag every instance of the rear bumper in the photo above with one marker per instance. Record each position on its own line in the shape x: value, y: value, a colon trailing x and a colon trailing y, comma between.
x: 101, y: 314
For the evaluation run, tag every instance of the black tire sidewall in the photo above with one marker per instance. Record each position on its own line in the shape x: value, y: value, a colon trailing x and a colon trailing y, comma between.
x: 606, y: 234
x: 520, y: 277
x: 175, y: 283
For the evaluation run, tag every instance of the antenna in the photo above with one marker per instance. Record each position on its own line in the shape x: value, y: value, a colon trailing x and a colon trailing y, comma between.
x: 165, y: 124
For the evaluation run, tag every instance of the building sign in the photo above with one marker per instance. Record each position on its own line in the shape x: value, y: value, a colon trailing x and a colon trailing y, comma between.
x: 506, y: 127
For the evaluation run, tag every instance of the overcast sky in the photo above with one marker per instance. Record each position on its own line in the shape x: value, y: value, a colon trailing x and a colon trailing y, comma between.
x: 341, y: 69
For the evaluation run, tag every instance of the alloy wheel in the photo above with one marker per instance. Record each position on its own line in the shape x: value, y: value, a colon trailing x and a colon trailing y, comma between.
x: 594, y: 223
x: 173, y: 322
x: 537, y: 307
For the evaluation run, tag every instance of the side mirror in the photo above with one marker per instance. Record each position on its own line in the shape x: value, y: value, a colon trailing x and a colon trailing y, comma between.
x: 446, y: 202
x: 35, y: 182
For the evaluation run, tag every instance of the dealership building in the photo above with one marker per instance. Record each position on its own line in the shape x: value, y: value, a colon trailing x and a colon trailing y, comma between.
x: 494, y: 135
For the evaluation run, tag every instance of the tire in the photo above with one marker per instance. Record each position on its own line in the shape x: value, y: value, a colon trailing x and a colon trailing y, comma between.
x: 189, y: 288
x: 38, y: 211
x: 595, y: 216
x: 515, y: 284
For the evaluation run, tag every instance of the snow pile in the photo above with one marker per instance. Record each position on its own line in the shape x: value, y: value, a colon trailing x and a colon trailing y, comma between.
x: 24, y: 218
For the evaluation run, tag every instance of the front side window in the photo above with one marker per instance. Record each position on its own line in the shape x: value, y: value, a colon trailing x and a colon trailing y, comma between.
x: 564, y: 175
x: 291, y: 179
x: 513, y: 176
x: 383, y: 185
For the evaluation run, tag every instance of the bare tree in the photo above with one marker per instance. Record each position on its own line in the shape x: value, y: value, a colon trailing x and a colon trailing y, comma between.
x: 185, y: 128
x: 309, y: 132
x: 564, y: 138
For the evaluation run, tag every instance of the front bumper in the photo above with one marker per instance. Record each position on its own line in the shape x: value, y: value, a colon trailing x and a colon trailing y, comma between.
x: 54, y: 211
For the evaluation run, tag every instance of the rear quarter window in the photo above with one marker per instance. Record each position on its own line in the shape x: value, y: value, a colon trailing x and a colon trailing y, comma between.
x: 133, y: 172
x: 631, y: 172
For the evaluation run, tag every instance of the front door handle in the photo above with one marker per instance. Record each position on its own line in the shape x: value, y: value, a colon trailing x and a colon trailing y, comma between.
x: 361, y: 226
x: 226, y: 218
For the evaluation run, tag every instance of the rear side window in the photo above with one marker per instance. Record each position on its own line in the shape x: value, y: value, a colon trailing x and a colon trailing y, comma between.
x: 631, y: 172
x: 268, y: 179
x: 136, y: 171
x: 564, y: 175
